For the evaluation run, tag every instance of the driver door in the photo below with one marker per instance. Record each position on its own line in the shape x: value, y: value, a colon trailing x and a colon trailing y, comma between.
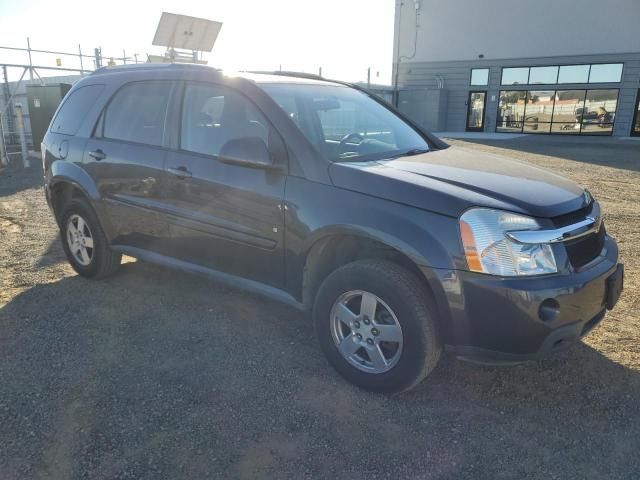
x: 221, y: 215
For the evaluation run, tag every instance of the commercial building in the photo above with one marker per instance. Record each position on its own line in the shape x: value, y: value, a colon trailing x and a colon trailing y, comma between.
x: 550, y: 66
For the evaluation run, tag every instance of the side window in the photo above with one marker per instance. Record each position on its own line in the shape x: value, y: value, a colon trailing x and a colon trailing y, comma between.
x: 137, y: 113
x: 212, y: 115
x: 290, y: 104
x: 75, y: 108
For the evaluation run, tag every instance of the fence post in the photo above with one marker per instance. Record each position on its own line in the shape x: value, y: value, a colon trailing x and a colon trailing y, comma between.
x: 23, y: 137
x: 3, y: 151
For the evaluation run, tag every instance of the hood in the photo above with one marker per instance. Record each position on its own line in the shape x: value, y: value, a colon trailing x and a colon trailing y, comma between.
x: 452, y: 180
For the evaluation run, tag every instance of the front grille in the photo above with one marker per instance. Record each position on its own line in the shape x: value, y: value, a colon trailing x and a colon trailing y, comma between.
x: 582, y: 250
x: 573, y: 217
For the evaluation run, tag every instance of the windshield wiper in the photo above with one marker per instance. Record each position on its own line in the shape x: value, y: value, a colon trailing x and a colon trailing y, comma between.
x: 410, y: 153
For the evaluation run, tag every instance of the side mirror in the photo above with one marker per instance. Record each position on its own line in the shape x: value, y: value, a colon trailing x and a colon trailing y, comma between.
x: 247, y: 151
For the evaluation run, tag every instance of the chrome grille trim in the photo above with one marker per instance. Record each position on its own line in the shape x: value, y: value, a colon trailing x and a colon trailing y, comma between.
x: 591, y: 224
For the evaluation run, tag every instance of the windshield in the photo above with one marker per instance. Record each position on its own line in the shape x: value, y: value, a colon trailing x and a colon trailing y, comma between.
x: 346, y: 124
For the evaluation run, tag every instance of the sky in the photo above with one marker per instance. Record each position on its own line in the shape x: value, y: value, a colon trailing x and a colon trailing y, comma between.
x: 344, y: 37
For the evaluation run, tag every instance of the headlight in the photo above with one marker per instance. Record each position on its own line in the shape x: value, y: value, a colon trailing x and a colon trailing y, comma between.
x: 489, y: 250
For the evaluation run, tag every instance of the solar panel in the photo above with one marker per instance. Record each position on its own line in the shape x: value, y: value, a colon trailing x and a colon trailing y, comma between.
x: 188, y: 33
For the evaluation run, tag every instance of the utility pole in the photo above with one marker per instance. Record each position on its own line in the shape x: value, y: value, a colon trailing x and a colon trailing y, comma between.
x: 23, y: 137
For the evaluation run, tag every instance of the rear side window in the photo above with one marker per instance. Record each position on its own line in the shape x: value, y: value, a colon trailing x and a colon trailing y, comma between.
x: 75, y: 108
x: 137, y: 113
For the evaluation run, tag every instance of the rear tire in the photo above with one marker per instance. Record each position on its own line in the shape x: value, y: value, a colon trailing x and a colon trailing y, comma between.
x: 85, y: 243
x: 402, y: 331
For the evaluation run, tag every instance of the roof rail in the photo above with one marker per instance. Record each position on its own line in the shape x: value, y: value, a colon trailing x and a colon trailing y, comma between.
x: 150, y: 66
x: 286, y: 73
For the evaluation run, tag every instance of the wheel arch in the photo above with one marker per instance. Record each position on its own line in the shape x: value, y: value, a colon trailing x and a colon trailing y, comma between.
x: 63, y: 191
x: 337, y: 247
x: 67, y: 181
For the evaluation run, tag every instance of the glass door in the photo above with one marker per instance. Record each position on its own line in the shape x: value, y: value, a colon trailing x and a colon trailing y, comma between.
x: 475, y: 111
x: 635, y: 128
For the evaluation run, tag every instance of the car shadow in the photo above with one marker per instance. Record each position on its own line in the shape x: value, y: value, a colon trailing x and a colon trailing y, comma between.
x: 14, y: 179
x: 53, y: 254
x: 159, y: 374
x: 605, y: 151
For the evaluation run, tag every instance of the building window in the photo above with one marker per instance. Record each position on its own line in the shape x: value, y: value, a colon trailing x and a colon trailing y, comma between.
x: 479, y: 76
x: 599, y: 111
x: 606, y: 73
x: 573, y: 74
x: 538, y: 111
x: 566, y: 111
x: 554, y: 74
x: 511, y: 111
x: 515, y: 76
x: 587, y: 112
x: 543, y: 75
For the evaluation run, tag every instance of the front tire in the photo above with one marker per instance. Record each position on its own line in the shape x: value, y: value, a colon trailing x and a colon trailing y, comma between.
x: 377, y: 326
x: 85, y: 243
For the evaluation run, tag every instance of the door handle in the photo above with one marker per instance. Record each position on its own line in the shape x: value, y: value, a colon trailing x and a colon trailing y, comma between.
x: 180, y: 172
x: 98, y: 154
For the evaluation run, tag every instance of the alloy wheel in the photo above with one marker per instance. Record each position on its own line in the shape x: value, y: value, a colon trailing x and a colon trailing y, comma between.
x: 80, y: 240
x: 366, y: 332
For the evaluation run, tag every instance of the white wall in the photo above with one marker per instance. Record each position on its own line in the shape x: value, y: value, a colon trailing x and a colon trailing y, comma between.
x: 501, y: 29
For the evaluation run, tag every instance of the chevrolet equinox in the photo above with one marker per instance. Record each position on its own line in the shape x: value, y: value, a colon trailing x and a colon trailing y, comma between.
x: 319, y: 194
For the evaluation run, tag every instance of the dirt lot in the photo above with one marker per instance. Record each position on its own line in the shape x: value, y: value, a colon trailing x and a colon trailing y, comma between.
x: 157, y: 374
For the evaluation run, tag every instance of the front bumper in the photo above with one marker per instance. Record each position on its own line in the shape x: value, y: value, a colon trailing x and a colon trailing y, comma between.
x: 498, y: 319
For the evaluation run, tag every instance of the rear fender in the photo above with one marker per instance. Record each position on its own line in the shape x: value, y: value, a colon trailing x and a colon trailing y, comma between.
x: 70, y: 173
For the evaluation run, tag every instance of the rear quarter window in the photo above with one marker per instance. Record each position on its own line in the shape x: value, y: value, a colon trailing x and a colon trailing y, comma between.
x: 75, y: 108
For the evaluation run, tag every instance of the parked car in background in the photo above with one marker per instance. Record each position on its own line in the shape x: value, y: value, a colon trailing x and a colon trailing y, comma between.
x: 321, y: 195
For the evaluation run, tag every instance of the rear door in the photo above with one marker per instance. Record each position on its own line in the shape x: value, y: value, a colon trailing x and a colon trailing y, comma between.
x: 225, y: 216
x: 126, y: 158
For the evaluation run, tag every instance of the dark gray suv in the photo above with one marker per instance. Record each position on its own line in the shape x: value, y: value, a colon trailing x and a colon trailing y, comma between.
x: 321, y: 195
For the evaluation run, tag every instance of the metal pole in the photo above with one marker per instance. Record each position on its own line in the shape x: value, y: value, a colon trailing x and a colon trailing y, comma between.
x: 23, y: 137
x: 8, y: 101
x: 39, y: 77
x: 80, y: 55
x: 135, y: 55
x: 98, y: 56
x: 30, y: 64
x: 396, y: 74
x: 369, y: 78
x: 3, y: 150
x: 124, y: 57
x: 320, y: 71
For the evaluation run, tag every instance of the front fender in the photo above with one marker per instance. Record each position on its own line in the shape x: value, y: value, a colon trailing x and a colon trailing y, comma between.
x: 418, y: 256
x: 316, y: 211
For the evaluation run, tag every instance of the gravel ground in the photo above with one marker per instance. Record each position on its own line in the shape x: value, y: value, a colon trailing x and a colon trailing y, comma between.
x: 158, y: 374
